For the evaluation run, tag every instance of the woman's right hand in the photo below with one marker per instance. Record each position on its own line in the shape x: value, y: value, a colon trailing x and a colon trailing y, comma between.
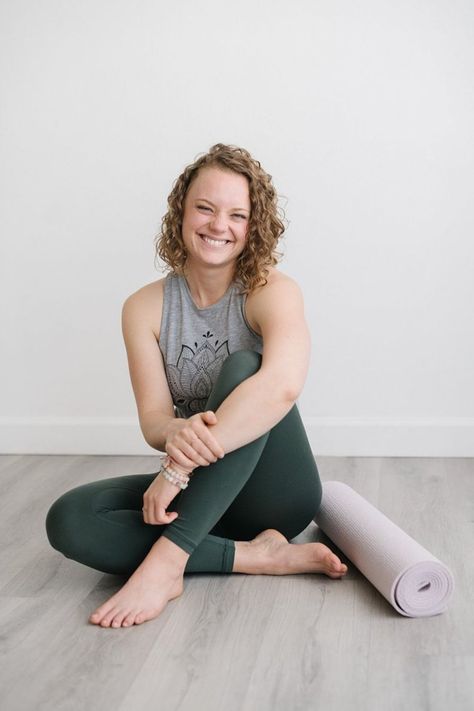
x: 190, y: 442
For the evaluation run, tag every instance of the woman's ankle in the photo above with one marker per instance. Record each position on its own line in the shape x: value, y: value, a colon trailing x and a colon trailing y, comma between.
x: 169, y: 554
x: 249, y: 559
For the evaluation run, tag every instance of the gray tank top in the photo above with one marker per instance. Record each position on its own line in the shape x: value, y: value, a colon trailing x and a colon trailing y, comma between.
x: 195, y: 342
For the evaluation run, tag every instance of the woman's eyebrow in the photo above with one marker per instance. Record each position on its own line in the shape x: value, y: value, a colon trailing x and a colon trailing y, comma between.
x: 211, y: 203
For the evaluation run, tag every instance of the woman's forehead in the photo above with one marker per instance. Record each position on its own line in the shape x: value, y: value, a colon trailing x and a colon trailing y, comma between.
x: 211, y: 181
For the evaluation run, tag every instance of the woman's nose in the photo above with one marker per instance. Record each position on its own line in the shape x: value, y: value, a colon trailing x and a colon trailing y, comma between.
x: 218, y: 222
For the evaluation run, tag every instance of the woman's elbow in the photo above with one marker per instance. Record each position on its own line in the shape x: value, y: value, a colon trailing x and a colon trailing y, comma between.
x: 284, y: 389
x: 291, y: 385
x: 291, y: 393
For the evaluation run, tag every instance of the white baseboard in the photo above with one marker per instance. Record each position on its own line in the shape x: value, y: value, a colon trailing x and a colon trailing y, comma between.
x: 328, y: 436
x: 72, y: 435
x: 389, y: 437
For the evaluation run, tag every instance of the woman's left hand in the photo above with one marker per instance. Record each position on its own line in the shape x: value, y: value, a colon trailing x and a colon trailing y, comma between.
x: 156, y: 499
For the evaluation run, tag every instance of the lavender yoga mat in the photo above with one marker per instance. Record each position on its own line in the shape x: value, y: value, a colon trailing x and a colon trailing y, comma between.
x: 413, y: 581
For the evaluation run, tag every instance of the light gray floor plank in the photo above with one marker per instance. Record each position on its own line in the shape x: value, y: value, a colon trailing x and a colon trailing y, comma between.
x: 237, y: 642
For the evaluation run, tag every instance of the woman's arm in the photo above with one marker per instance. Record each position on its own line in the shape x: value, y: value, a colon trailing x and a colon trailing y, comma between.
x: 260, y: 402
x: 145, y: 363
x: 254, y: 407
x: 141, y: 316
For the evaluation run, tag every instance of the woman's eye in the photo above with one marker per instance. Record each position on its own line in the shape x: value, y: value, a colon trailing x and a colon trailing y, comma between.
x: 206, y: 207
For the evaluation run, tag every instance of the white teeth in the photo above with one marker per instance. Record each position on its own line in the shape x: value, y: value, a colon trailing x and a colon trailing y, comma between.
x: 214, y: 242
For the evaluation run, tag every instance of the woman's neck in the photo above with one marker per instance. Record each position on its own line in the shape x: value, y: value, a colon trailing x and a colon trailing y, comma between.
x: 208, y: 285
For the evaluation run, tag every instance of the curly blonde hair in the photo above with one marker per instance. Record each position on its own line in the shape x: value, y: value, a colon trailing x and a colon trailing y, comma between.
x: 264, y: 229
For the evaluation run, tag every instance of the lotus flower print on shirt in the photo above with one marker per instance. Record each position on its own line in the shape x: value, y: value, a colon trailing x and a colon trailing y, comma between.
x: 195, y: 372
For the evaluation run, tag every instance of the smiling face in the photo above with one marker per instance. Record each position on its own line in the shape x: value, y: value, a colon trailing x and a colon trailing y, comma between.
x: 216, y: 217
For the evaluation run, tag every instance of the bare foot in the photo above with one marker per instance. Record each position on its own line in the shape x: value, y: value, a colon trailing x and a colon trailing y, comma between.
x: 156, y: 581
x: 143, y: 597
x: 269, y: 553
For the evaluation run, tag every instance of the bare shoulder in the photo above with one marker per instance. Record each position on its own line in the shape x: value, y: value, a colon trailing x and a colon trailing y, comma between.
x: 144, y: 307
x: 280, y: 293
x: 277, y: 282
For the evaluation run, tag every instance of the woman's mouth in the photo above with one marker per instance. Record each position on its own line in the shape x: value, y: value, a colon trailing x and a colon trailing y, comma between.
x: 214, y: 242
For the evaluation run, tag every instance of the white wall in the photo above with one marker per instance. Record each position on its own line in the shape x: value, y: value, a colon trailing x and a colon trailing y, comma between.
x: 363, y: 114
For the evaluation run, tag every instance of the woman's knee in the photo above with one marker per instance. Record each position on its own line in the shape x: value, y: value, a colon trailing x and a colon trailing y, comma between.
x: 247, y: 361
x: 237, y: 367
x: 62, y: 524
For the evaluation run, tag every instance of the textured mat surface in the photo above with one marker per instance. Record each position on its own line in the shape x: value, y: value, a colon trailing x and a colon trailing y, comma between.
x: 413, y: 581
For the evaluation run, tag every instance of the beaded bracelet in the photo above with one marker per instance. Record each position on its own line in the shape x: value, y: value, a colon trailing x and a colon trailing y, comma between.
x: 171, y: 465
x: 172, y: 475
x: 171, y: 478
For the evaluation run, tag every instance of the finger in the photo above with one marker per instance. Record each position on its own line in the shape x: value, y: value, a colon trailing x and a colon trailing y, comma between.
x: 148, y: 510
x: 186, y: 444
x: 149, y: 513
x: 202, y: 450
x: 199, y: 452
x: 161, y: 515
x: 210, y: 442
x: 182, y: 458
x: 210, y: 417
x: 165, y: 516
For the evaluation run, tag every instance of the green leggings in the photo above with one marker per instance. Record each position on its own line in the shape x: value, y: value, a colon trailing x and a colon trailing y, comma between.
x: 272, y: 482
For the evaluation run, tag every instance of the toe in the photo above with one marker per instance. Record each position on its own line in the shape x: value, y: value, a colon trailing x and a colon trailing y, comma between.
x: 335, y: 567
x: 107, y: 619
x: 99, y: 614
x: 333, y: 561
x: 128, y: 620
x: 118, y: 618
x: 340, y: 569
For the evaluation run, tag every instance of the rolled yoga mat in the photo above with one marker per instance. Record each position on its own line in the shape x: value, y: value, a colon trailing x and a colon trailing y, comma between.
x: 413, y: 581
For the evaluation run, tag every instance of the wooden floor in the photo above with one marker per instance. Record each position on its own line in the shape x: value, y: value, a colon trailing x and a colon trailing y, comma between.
x: 236, y: 642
